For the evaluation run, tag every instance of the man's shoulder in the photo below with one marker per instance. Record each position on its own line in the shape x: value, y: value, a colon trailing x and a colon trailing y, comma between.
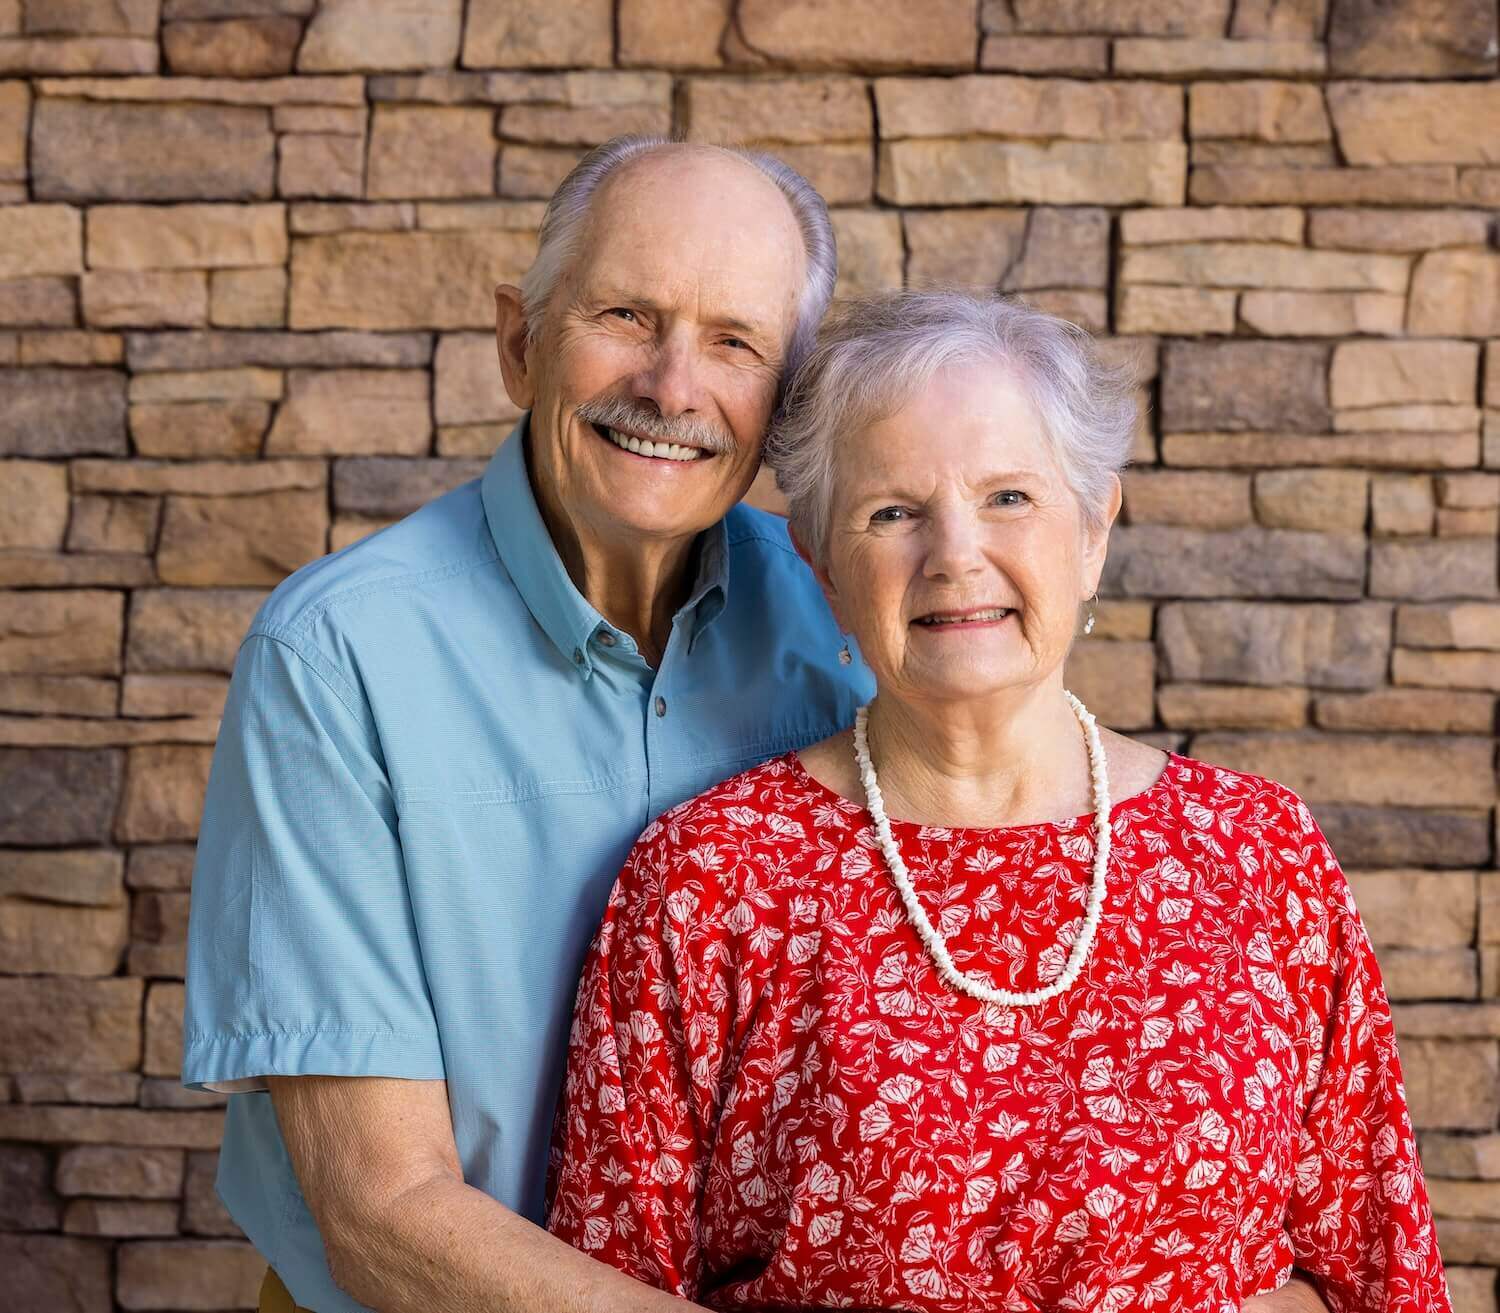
x: 755, y: 533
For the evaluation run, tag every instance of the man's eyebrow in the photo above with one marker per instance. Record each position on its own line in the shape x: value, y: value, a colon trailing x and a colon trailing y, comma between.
x: 612, y: 295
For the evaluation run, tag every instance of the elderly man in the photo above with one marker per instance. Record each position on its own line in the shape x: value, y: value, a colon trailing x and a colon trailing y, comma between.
x: 440, y: 744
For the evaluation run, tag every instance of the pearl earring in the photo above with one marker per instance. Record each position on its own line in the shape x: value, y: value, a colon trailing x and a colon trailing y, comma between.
x: 1088, y: 624
x: 845, y: 656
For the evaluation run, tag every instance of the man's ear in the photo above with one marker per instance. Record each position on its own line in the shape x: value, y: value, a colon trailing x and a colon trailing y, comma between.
x: 512, y: 340
x: 820, y: 573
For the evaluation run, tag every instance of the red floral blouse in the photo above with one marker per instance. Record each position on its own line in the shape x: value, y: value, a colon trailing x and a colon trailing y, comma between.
x: 773, y: 1102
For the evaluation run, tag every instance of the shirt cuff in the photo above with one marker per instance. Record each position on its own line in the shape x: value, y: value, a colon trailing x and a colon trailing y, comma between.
x: 236, y: 1062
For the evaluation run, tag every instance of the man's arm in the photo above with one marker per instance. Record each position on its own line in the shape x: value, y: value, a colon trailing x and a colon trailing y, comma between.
x: 1297, y: 1296
x: 377, y: 1163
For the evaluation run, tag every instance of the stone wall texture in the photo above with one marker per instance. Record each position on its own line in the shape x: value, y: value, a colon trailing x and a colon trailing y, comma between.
x: 246, y: 249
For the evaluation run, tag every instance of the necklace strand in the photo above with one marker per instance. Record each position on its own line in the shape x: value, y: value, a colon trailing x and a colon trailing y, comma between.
x: 930, y: 935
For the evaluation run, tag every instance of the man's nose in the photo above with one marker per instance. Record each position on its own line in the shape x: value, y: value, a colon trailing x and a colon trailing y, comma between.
x: 671, y: 377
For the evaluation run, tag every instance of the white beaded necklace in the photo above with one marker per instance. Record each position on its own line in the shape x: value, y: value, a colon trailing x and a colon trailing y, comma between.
x: 930, y: 935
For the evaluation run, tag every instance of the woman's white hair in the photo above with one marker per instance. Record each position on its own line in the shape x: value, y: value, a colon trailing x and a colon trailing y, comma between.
x: 874, y: 353
x: 566, y: 220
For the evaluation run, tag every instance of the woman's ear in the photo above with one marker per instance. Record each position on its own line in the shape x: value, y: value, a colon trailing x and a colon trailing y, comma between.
x: 820, y: 573
x: 1096, y: 541
x: 513, y: 341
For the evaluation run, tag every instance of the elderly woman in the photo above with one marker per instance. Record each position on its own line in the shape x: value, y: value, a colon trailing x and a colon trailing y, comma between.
x: 977, y: 1006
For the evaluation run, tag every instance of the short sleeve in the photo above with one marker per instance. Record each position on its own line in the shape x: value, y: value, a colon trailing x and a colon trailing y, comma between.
x: 303, y: 957
x: 1359, y: 1219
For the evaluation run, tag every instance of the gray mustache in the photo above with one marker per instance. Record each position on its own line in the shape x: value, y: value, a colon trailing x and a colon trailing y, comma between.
x: 618, y: 413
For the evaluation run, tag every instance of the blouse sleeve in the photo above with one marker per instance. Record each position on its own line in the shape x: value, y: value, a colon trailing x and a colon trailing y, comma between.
x: 634, y: 1131
x: 1359, y: 1219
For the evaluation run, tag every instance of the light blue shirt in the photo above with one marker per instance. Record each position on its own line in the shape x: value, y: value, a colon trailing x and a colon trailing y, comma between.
x: 434, y: 759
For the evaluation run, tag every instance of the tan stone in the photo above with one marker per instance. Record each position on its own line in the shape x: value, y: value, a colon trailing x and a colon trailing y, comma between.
x: 1275, y: 643
x: 1285, y: 19
x: 34, y: 510
x: 470, y: 440
x: 1432, y: 711
x: 1416, y: 123
x: 538, y: 34
x: 189, y: 629
x: 1468, y: 522
x: 23, y: 569
x: 1397, y: 230
x: 1123, y: 17
x: 71, y: 348
x: 123, y: 1218
x: 1415, y: 973
x: 431, y: 151
x: 1117, y: 618
x: 1412, y: 38
x: 1399, y: 373
x: 1231, y: 154
x: 37, y: 301
x: 686, y: 34
x: 87, y: 150
x: 213, y: 541
x: 318, y: 218
x: 1229, y: 706
x: 1191, y: 499
x: 163, y: 1055
x: 865, y: 34
x: 71, y: 732
x: 1253, y: 264
x: 1178, y: 311
x: 1417, y: 184
x: 528, y: 172
x: 1471, y: 625
x: 560, y: 125
x: 1451, y: 1084
x: 1258, y: 111
x: 1318, y: 500
x: 78, y: 55
x: 954, y: 172
x: 116, y: 1172
x: 1492, y: 374
x: 91, y: 17
x: 69, y: 1024
x: 246, y: 384
x: 320, y: 164
x: 1457, y: 294
x: 1089, y: 310
x: 189, y: 1274
x: 186, y: 236
x: 360, y: 35
x: 1323, y: 314
x: 194, y: 430
x: 1220, y: 223
x: 440, y: 216
x: 353, y: 412
x: 53, y: 1125
x: 1155, y: 561
x: 1416, y: 418
x: 802, y: 111
x: 1427, y: 669
x: 173, y: 695
x: 37, y: 937
x: 211, y: 91
x: 403, y: 280
x: 468, y: 386
x: 1027, y: 107
x: 1266, y: 386
x: 1206, y: 56
x: 962, y: 247
x: 871, y: 254
x: 1433, y: 568
x: 387, y: 487
x: 202, y: 1211
x: 247, y: 298
x: 117, y: 298
x: 40, y: 239
x: 76, y: 695
x: 1478, y: 186
x: 164, y: 786
x: 1115, y: 680
x: 1062, y: 248
x: 1401, y: 505
x: 15, y: 117
x: 334, y: 119
x: 234, y: 47
x: 61, y: 633
x: 114, y: 524
x: 1417, y: 909
x: 1075, y: 55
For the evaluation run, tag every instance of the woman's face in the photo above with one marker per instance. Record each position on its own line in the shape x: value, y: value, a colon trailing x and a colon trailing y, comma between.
x: 957, y: 554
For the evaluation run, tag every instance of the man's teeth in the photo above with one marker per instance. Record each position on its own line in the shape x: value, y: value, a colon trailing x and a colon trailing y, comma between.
x: 661, y: 450
x: 994, y: 613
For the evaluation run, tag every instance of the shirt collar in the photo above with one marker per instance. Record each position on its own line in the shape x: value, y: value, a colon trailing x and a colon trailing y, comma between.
x: 536, y: 569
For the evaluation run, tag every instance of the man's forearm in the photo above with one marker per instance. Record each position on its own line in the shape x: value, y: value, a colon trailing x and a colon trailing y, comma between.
x: 1297, y: 1296
x: 447, y: 1245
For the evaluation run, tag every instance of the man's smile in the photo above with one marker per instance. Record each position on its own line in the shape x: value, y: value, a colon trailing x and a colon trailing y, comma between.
x: 645, y: 447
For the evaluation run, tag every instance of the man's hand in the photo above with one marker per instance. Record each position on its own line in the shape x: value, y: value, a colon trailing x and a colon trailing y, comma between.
x: 1297, y: 1296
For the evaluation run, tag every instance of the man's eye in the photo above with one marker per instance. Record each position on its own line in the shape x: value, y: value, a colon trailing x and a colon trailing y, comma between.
x: 627, y: 315
x: 888, y: 515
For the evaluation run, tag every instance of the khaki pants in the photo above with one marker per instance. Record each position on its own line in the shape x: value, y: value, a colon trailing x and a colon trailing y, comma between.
x: 276, y: 1298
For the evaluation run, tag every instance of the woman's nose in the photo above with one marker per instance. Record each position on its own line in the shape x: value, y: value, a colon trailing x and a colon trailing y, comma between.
x: 953, y: 547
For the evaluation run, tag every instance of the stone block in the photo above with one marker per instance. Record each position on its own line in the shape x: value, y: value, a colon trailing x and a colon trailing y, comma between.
x: 350, y: 529
x: 363, y: 412
x: 173, y: 629
x: 1191, y: 499
x: 131, y: 1219
x: 1415, y: 123
x: 70, y: 1024
x: 75, y: 695
x: 38, y: 937
x: 403, y: 280
x: 1090, y: 311
x: 202, y: 1211
x: 247, y: 298
x: 163, y: 795
x: 538, y: 34
x: 1463, y: 1241
x: 40, y: 239
x: 188, y: 1275
x: 361, y: 35
x: 1398, y: 373
x: 431, y: 151
x: 1258, y: 111
x: 1412, y: 38
x: 1412, y: 770
x: 1451, y: 1084
x: 1397, y: 230
x: 800, y: 111
x: 201, y: 478
x: 1210, y: 223
x: 114, y: 524
x: 34, y: 511
x: 27, y: 1201
x: 339, y: 121
x: 1079, y: 56
x: 186, y: 236
x: 56, y: 1272
x: 864, y: 34
x: 518, y: 216
x: 1464, y: 625
x: 23, y: 569
x: 232, y: 47
x: 1427, y: 669
x: 1176, y: 311
x: 1407, y: 836
x: 1472, y: 1288
x: 90, y: 17
x: 71, y: 348
x: 1231, y: 706
x: 166, y: 866
x: 103, y: 1087
x: 49, y: 1125
x: 320, y: 164
x: 194, y: 430
x: 1153, y: 561
x: 117, y: 298
x: 1417, y: 909
x: 1414, y: 184
x: 1401, y: 505
x: 686, y: 35
x: 1253, y: 264
x: 1323, y: 314
x: 979, y: 171
x: 1325, y: 501
x: 83, y: 877
x: 468, y: 388
x: 1115, y: 680
x: 1431, y: 710
x: 871, y: 254
x: 1291, y: 20
x: 1380, y: 450
x: 1176, y: 18
x: 1062, y: 248
x: 15, y: 118
x: 173, y: 695
x: 226, y: 350
x: 1245, y: 385
x: 1416, y: 418
x: 121, y: 1173
x: 44, y: 302
x: 89, y: 150
x: 163, y: 1054
x: 1417, y: 973
x: 973, y: 248
x: 266, y: 92
x: 1456, y: 294
x: 586, y: 125
x: 389, y: 487
x: 77, y: 55
x: 1271, y: 643
x: 996, y: 106
x: 238, y: 541
x: 61, y: 633
x: 464, y: 440
x: 1444, y: 567
x: 534, y: 173
x: 1214, y: 57
x: 1229, y: 153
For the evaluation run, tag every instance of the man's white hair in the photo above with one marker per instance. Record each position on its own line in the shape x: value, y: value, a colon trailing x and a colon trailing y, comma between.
x: 876, y: 352
x: 566, y: 219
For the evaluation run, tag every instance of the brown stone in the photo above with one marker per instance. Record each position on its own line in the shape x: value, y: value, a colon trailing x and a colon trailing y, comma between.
x: 201, y: 478
x: 1228, y: 706
x: 1416, y: 418
x: 163, y: 1054
x: 1245, y: 264
x: 1062, y: 248
x: 462, y: 440
x: 194, y: 430
x: 1245, y: 385
x: 40, y: 239
x: 531, y: 172
x: 518, y: 216
x: 1075, y: 55
x: 802, y: 111
x: 61, y: 633
x: 1293, y: 20
x: 1395, y: 373
x: 163, y: 795
x: 27, y: 1201
x: 121, y: 1173
x: 468, y: 388
x: 212, y: 91
x: 70, y: 1024
x: 85, y: 150
x: 350, y: 529
x: 123, y: 1218
x: 1444, y: 567
x: 1451, y: 1084
x: 334, y: 119
x: 1153, y: 561
x: 1089, y: 310
x: 173, y: 695
x: 685, y: 35
x: 56, y: 1272
x: 78, y: 55
x: 1226, y: 153
x: 247, y: 298
x: 114, y: 524
x: 237, y: 541
x: 191, y: 1130
x: 1469, y: 491
x: 71, y: 348
x: 1027, y: 107
x: 969, y: 247
x: 1115, y: 680
x: 1407, y: 836
x: 1471, y: 625
x: 34, y: 511
x: 83, y: 877
x: 1401, y: 505
x: 1179, y: 18
x: 115, y: 298
x: 1430, y: 710
x: 1426, y: 669
x: 1412, y: 38
x: 586, y: 125
x: 1397, y: 230
x: 866, y: 34
x: 101, y: 1087
x: 232, y: 47
x: 870, y: 251
x: 1190, y: 499
x: 1478, y: 186
x: 37, y: 937
x: 90, y: 17
x: 168, y: 866
x: 389, y: 487
x: 1415, y: 184
x: 148, y: 351
x: 1212, y: 57
x: 202, y: 1211
x: 38, y: 301
x: 403, y: 280
x: 1323, y: 314
x: 1416, y: 123
x: 77, y: 695
x: 431, y: 151
x: 15, y: 117
x: 1179, y: 311
x: 72, y: 732
x: 320, y: 218
x: 320, y: 164
x: 1456, y: 294
x: 980, y: 170
x: 360, y: 35
x: 1317, y: 500
x: 1415, y: 973
x: 1274, y: 643
x: 1258, y: 111
x: 1210, y: 224
x: 538, y: 34
x: 22, y: 569
x: 1400, y: 770
x: 175, y: 629
x: 186, y: 236
x: 350, y: 412
x: 1382, y: 450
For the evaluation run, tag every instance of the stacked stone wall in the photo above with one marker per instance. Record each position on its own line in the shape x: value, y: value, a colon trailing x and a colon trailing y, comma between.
x: 246, y: 252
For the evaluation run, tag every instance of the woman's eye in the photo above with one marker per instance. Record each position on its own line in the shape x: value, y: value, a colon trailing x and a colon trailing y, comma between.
x: 1010, y: 497
x: 888, y: 515
x: 738, y: 343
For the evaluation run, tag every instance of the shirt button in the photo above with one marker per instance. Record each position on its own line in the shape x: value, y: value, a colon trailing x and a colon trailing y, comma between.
x: 606, y: 639
x: 661, y: 706
x: 577, y: 656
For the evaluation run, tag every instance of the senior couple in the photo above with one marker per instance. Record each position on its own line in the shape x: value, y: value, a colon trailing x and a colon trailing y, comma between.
x: 914, y: 988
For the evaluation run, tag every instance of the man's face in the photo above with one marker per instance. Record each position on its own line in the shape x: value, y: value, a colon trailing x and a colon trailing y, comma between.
x: 669, y: 329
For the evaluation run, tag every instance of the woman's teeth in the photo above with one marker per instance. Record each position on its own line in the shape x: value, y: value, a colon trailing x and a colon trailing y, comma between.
x: 660, y: 450
x: 994, y: 613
